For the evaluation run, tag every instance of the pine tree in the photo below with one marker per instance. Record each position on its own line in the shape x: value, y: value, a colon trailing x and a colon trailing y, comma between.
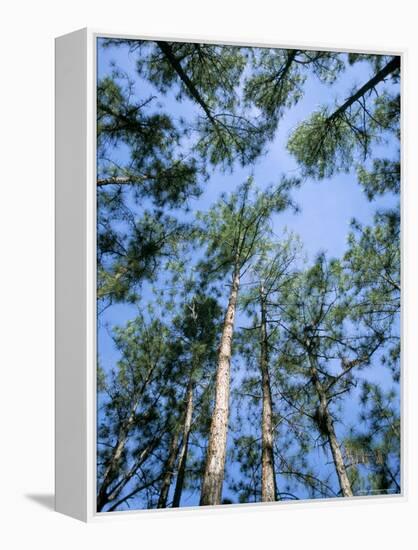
x: 271, y: 271
x: 133, y: 418
x: 232, y: 229
x: 374, y: 444
x: 328, y: 141
x: 313, y: 312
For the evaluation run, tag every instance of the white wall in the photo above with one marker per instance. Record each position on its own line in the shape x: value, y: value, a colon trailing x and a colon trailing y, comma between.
x: 26, y: 259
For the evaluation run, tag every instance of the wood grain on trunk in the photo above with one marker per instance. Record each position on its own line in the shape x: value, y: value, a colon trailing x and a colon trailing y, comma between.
x: 182, y: 459
x: 211, y: 493
x: 268, y: 480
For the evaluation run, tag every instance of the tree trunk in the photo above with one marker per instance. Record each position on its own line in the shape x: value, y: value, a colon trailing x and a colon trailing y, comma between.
x: 393, y: 65
x: 109, y: 474
x: 169, y: 469
x: 184, y: 448
x: 338, y: 459
x: 213, y: 476
x: 327, y: 428
x: 167, y: 50
x: 102, y: 499
x: 268, y: 479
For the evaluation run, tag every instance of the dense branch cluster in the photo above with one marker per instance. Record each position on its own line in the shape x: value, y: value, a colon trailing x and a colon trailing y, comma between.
x: 232, y: 366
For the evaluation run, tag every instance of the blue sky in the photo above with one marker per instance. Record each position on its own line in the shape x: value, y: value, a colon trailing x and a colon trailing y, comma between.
x: 326, y: 207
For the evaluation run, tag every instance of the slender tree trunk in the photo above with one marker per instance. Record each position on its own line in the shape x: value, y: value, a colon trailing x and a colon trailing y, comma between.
x: 213, y: 476
x: 111, y: 469
x: 109, y: 474
x: 102, y: 499
x: 268, y: 478
x: 328, y: 429
x: 169, y: 468
x: 126, y: 478
x: 184, y: 448
x: 338, y: 459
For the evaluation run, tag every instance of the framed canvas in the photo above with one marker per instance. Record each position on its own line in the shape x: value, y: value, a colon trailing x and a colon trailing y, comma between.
x: 228, y: 274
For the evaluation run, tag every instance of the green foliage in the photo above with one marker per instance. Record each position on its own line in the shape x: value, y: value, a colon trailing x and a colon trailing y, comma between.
x: 156, y: 167
x: 215, y: 70
x: 132, y: 416
x: 384, y: 177
x: 373, y: 258
x: 331, y: 141
x: 230, y: 137
x: 372, y: 262
x: 209, y: 76
x: 375, y: 444
x: 315, y: 306
x: 278, y: 76
x: 247, y: 453
x: 323, y: 145
x: 330, y: 322
x: 271, y: 271
x: 144, y: 395
x: 276, y: 82
x: 317, y: 345
x: 237, y: 224
x: 386, y: 115
x: 126, y: 259
x: 226, y: 83
x: 377, y: 62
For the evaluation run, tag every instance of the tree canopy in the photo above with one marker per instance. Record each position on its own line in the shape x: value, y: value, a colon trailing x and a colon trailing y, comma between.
x: 248, y: 274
